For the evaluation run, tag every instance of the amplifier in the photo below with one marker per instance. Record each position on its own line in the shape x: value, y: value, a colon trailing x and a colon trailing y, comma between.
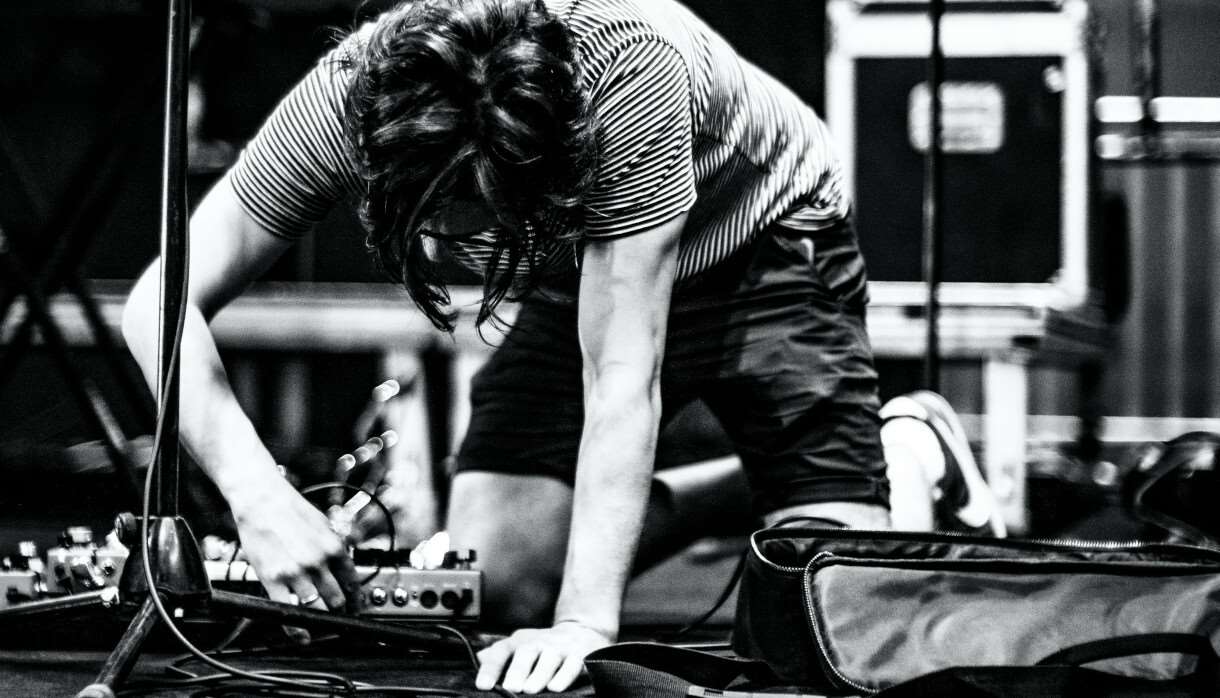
x: 1015, y: 136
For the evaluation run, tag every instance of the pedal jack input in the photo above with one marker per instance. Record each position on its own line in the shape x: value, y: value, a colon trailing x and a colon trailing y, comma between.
x: 428, y: 598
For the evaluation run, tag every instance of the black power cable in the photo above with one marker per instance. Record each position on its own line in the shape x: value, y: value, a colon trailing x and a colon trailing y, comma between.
x: 735, y: 577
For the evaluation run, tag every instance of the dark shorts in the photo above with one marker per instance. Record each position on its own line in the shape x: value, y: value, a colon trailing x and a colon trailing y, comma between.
x: 773, y: 341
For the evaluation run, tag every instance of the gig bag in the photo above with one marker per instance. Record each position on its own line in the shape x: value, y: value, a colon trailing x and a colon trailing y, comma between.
x: 856, y: 612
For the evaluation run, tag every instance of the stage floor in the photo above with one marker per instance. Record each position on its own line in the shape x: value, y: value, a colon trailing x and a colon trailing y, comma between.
x: 59, y: 656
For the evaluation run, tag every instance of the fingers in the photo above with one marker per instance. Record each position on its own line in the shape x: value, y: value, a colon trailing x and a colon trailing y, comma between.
x: 520, y: 666
x: 527, y: 666
x: 326, y: 594
x: 335, y: 585
x: 345, y: 574
x: 545, y: 666
x: 430, y: 553
x: 567, y: 674
x: 491, y: 665
x: 367, y: 521
x: 278, y: 591
x: 330, y: 585
x: 294, y: 551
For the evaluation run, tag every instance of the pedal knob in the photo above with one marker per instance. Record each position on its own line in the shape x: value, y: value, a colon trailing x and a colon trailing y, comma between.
x: 84, y: 576
x: 377, y: 596
x: 455, y: 560
x: 79, y: 535
x: 127, y: 529
x: 400, y: 596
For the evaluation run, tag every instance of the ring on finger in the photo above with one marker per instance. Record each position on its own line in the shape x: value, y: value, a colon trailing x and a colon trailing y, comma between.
x: 307, y: 600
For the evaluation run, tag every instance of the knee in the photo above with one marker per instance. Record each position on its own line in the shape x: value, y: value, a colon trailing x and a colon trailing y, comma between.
x: 519, y: 595
x: 518, y: 527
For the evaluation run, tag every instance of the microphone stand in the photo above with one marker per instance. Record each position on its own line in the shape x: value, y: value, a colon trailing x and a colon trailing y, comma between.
x: 179, y: 577
x: 933, y: 201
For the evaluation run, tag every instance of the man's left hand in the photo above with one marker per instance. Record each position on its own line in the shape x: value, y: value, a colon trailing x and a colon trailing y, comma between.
x: 536, y: 658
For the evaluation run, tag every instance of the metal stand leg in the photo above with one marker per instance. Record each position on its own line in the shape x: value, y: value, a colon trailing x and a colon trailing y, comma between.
x: 118, y: 665
x: 181, y: 580
x: 1005, y: 400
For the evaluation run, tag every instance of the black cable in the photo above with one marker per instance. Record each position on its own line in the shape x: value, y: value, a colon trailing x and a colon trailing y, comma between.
x: 146, y: 509
x: 308, y: 683
x: 173, y: 684
x: 270, y: 649
x: 232, y: 559
x: 305, y: 682
x: 225, y: 684
x: 735, y: 577
x: 239, y: 689
x: 385, y: 510
x: 474, y: 658
x: 238, y: 630
x: 228, y: 684
x: 725, y: 593
x: 176, y: 665
x: 188, y: 678
x: 221, y: 650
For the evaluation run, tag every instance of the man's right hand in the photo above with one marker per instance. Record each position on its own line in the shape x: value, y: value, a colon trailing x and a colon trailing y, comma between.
x: 293, y: 550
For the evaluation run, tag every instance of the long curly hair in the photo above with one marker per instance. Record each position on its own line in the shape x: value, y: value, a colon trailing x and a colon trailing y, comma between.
x: 477, y: 100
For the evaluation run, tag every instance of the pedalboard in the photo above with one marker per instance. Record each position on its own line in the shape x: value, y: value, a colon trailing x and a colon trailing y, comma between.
x: 74, y: 566
x: 387, y: 592
x: 391, y: 588
x: 18, y: 586
x: 21, y: 576
x: 77, y: 564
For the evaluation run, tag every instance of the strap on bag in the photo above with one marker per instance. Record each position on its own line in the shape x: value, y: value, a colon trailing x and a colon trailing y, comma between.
x: 1133, y: 645
x: 1206, y: 675
x: 1061, y: 674
x: 652, y: 670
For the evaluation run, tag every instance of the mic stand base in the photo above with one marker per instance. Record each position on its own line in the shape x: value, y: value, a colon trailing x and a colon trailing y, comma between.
x: 182, y: 583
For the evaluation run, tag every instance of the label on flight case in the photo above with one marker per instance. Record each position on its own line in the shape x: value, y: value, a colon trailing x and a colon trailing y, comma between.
x: 972, y: 117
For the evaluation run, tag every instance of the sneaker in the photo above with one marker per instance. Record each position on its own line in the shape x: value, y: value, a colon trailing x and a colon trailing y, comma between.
x: 961, y: 499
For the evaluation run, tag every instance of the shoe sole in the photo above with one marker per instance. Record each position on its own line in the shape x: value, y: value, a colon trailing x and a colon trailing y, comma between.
x: 980, y: 509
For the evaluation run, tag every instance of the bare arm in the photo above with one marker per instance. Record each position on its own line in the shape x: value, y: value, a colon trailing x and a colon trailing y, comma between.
x: 228, y: 250
x: 624, y: 307
x: 625, y: 292
x: 288, y: 542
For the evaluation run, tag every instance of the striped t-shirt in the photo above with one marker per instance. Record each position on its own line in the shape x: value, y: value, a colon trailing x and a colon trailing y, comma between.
x: 684, y: 124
